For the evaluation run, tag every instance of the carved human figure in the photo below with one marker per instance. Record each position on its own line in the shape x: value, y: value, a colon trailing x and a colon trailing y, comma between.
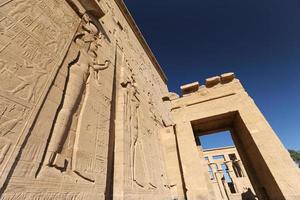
x: 79, y: 73
x: 31, y: 81
x: 8, y: 126
x: 4, y: 147
x: 21, y: 7
x: 134, y: 105
x: 132, y: 112
x: 23, y: 85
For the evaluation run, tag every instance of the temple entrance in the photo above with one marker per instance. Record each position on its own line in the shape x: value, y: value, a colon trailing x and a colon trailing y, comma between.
x: 227, y: 174
x: 222, y: 104
x: 230, y: 167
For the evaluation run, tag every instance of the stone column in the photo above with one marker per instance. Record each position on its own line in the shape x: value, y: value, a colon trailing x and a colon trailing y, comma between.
x: 240, y: 164
x: 219, y: 176
x: 193, y: 170
x: 218, y: 187
x: 232, y: 175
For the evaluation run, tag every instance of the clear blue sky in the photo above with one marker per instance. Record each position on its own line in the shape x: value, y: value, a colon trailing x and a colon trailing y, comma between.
x: 220, y: 139
x: 257, y: 39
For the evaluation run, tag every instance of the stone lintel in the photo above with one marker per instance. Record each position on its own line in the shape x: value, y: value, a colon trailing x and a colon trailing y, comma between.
x: 210, y: 82
x: 227, y: 77
x: 189, y: 88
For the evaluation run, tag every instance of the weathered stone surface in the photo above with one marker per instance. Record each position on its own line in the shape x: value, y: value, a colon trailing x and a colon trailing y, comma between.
x: 85, y: 112
x: 227, y: 77
x: 210, y: 82
x: 228, y: 107
x: 189, y: 88
x: 64, y: 103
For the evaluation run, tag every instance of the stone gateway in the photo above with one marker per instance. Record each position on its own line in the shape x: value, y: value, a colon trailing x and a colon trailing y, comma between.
x: 85, y: 114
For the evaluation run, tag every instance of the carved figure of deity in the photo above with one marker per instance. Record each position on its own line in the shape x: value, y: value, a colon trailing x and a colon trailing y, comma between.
x: 85, y: 65
x: 132, y: 112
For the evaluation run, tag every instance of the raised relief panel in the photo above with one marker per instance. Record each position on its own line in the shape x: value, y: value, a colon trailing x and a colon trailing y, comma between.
x: 34, y: 37
x: 84, y: 78
x: 141, y: 123
x: 12, y: 116
x: 69, y: 140
x: 77, y: 141
x: 49, y: 195
x: 58, y: 71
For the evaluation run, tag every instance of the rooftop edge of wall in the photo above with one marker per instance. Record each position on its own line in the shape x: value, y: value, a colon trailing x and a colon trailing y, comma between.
x: 214, y: 88
x: 209, y: 83
x: 140, y: 37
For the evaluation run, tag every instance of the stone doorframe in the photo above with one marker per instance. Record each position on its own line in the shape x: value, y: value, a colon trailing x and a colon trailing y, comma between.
x: 226, y: 106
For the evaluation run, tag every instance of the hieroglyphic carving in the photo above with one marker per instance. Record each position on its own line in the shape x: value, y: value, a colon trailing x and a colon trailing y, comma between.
x: 24, y: 36
x: 12, y: 116
x: 28, y: 87
x: 141, y: 123
x: 49, y: 196
x: 75, y: 117
x: 34, y: 37
x: 29, y: 32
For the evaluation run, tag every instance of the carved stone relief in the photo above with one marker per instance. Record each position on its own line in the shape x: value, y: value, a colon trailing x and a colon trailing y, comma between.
x: 83, y: 78
x: 141, y: 123
x: 57, y: 69
x: 33, y: 43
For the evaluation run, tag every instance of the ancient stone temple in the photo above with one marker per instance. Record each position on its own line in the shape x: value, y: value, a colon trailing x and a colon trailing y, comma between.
x: 85, y: 113
x: 227, y: 173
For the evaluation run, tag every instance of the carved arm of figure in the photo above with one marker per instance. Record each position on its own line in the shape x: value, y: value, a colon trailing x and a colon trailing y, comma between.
x: 98, y: 66
x: 95, y: 68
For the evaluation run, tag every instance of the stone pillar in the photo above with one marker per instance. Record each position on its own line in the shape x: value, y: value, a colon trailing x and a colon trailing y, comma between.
x: 265, y: 155
x: 210, y: 187
x: 218, y: 187
x: 193, y: 170
x: 219, y: 176
x: 232, y: 175
x: 169, y: 143
x: 240, y: 164
x: 214, y: 168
